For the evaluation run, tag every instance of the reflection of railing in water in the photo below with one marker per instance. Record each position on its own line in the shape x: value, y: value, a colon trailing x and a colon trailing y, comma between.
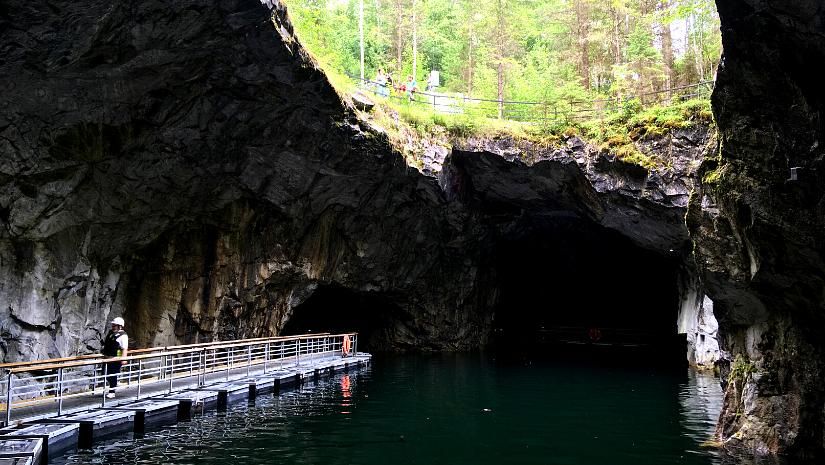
x: 536, y: 112
x: 56, y: 380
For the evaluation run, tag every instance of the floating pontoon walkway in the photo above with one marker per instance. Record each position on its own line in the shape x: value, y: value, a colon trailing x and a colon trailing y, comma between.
x: 53, y: 406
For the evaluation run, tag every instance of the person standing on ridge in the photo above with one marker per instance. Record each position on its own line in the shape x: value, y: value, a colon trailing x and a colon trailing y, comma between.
x: 381, y: 83
x: 116, y: 344
x: 411, y: 87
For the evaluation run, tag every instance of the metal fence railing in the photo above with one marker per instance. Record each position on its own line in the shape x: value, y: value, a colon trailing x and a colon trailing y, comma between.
x: 562, y: 110
x: 57, y: 380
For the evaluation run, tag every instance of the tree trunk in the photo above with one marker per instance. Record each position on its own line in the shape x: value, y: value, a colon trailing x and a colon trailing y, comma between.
x: 415, y: 41
x: 501, y: 51
x: 697, y: 52
x: 398, y: 35
x: 582, y: 9
x: 618, y: 37
x: 470, y: 61
x: 667, y: 47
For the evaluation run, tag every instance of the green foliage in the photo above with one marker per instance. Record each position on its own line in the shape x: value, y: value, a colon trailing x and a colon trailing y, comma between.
x: 714, y: 177
x: 741, y: 370
x: 554, y: 51
x: 563, y: 53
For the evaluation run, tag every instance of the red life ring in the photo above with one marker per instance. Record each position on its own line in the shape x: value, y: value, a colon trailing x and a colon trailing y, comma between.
x: 595, y: 334
x: 346, y: 346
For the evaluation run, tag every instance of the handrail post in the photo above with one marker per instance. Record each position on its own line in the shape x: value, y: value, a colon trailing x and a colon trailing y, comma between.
x: 139, y: 372
x: 354, y: 344
x: 228, y: 352
x: 266, y: 356
x: 248, y: 359
x: 171, y: 371
x: 60, y: 391
x: 8, y: 398
x: 202, y: 379
x: 298, y: 352
x: 105, y: 383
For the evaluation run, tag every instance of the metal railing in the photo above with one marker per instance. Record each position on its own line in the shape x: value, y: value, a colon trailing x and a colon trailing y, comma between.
x: 41, y: 382
x: 560, y: 110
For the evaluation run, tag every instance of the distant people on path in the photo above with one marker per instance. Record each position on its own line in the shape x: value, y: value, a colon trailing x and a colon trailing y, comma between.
x: 432, y: 81
x: 116, y: 344
x: 381, y: 81
x: 410, y: 87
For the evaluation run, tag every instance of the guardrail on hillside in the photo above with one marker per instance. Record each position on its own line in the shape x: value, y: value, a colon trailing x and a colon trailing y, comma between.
x: 56, y: 380
x: 535, y: 112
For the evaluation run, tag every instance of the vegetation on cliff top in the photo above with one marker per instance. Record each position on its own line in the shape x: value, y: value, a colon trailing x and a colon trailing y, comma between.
x: 537, y: 70
x: 551, y: 51
x: 409, y: 128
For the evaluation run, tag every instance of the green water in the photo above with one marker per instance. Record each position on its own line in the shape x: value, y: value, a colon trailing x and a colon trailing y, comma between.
x: 451, y: 409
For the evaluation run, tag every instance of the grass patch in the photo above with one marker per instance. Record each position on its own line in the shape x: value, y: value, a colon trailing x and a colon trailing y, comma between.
x: 618, y: 133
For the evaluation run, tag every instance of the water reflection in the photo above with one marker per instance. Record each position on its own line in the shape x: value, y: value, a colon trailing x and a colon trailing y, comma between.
x: 451, y: 409
x: 700, y: 401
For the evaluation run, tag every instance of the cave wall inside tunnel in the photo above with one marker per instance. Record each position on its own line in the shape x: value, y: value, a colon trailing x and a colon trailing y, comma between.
x: 567, y: 272
x: 336, y: 309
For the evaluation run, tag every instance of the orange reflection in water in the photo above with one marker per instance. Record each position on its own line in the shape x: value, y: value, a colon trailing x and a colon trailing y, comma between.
x: 346, y: 390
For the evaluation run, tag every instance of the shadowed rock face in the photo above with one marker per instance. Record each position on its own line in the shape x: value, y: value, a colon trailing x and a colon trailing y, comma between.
x: 185, y: 165
x: 759, y: 233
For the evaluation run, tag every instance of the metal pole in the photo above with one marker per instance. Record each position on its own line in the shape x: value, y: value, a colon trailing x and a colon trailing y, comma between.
x: 59, y: 391
x: 105, y: 383
x: 298, y: 352
x: 8, y: 399
x: 248, y: 359
x: 266, y: 356
x: 140, y: 371
x: 354, y: 344
x: 171, y: 372
x: 361, y: 34
x: 228, y: 354
x: 202, y: 381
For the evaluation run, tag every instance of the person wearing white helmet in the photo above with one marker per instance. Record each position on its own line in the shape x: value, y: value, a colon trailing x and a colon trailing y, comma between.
x: 116, y: 344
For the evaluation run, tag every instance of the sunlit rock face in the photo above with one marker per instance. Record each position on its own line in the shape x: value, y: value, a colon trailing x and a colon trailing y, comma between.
x: 758, y: 225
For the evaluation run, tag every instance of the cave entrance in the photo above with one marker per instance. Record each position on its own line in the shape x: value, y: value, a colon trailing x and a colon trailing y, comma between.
x: 335, y: 309
x: 574, y: 286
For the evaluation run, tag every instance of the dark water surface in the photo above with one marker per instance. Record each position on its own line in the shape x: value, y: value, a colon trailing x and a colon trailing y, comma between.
x: 451, y: 409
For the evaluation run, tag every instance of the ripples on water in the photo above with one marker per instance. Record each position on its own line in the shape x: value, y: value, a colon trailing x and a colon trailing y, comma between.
x: 450, y: 409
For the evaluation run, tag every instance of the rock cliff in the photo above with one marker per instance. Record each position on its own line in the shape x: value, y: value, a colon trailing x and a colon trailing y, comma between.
x: 185, y: 165
x: 189, y: 168
x: 757, y: 223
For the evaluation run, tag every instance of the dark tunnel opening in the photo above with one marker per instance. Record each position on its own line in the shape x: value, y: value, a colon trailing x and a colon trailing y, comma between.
x: 334, y: 309
x: 569, y: 286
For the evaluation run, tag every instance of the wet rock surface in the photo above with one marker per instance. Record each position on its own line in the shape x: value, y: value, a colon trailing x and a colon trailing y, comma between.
x: 758, y: 226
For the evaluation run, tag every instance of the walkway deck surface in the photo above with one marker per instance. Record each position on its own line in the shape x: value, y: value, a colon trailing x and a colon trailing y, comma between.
x: 36, y: 431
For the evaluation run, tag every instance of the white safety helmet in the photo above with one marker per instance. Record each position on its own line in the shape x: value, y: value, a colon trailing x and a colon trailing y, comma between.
x: 118, y: 321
